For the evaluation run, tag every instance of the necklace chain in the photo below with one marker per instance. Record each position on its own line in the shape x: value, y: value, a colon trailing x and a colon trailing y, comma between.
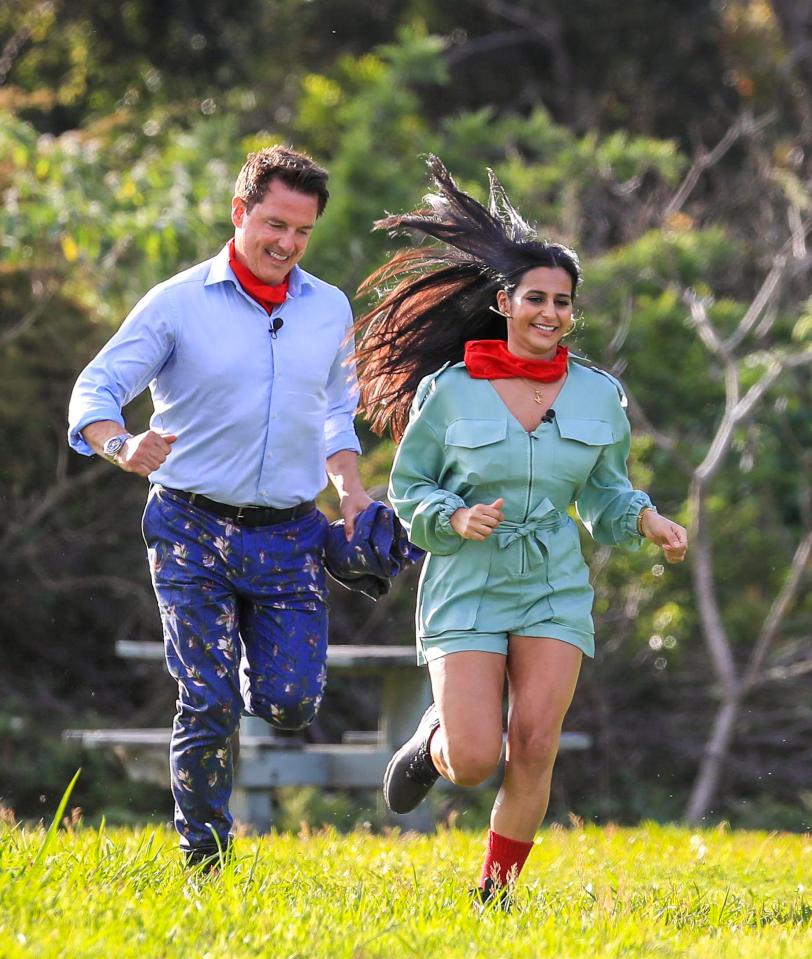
x: 537, y: 395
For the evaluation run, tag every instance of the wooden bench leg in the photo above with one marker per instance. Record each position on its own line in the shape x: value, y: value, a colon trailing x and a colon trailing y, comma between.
x: 253, y: 807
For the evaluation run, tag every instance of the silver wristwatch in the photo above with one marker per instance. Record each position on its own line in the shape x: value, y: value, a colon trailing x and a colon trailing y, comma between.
x: 112, y: 447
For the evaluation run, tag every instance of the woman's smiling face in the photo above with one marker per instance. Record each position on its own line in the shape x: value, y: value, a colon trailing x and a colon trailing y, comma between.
x: 540, y: 312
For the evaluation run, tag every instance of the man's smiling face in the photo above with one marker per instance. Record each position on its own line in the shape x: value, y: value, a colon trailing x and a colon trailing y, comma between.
x: 273, y: 236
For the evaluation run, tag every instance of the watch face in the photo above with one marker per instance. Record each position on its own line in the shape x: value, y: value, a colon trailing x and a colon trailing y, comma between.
x: 111, y: 447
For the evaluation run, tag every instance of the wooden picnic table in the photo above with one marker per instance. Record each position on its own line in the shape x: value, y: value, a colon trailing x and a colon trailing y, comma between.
x: 267, y: 760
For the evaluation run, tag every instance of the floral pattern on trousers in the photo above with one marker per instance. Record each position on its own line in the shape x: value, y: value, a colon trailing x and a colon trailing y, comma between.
x: 244, y: 620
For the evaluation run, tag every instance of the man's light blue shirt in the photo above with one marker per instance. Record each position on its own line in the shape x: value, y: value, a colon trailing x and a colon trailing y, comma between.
x: 255, y: 414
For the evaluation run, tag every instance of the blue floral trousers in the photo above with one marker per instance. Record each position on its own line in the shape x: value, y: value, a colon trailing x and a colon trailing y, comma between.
x: 244, y: 619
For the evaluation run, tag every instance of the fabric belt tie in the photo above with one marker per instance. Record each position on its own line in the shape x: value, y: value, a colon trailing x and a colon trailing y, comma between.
x: 244, y: 515
x: 533, y: 533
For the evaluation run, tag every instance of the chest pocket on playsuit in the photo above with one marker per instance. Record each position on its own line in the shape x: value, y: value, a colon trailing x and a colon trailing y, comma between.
x: 580, y: 446
x: 474, y: 448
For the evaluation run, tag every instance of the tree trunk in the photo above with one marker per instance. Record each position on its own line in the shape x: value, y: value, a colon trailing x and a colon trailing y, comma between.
x: 714, y: 757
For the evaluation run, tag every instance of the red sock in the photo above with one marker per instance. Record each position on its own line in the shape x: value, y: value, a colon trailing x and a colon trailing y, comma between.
x: 502, y: 856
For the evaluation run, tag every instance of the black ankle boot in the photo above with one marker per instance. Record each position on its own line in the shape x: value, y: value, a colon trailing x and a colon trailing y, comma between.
x: 411, y: 772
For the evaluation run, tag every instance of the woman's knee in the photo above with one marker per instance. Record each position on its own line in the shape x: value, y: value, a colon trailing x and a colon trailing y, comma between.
x: 471, y: 761
x: 533, y: 747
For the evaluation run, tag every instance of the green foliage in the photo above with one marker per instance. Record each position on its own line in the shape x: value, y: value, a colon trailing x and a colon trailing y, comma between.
x: 121, y: 132
x: 113, y: 212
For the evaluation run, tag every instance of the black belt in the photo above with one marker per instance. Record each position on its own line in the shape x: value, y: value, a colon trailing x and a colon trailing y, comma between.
x: 244, y: 515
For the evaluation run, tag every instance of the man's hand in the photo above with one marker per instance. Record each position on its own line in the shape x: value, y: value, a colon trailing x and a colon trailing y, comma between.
x: 664, y: 532
x: 479, y: 521
x: 141, y: 454
x: 145, y: 452
x: 342, y: 468
x: 351, y: 504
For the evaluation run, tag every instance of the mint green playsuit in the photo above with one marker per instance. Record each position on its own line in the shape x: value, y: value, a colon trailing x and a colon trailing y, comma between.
x: 462, y: 446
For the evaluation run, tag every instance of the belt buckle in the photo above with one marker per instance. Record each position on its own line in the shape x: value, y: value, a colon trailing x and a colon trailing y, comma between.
x: 240, y: 514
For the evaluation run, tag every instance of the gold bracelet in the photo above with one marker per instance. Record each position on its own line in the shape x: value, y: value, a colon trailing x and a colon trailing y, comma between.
x: 645, y: 509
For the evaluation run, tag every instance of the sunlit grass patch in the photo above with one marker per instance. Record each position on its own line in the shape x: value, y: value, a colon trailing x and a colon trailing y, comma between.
x: 652, y: 891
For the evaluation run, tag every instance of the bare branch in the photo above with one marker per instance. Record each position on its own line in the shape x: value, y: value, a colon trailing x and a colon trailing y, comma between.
x: 713, y: 760
x: 643, y: 424
x: 544, y: 26
x: 781, y: 674
x: 532, y: 20
x: 52, y: 498
x: 778, y: 610
x: 798, y: 233
x: 713, y: 628
x: 760, y: 300
x: 705, y: 159
x: 21, y: 326
x: 11, y: 51
x: 777, y: 366
x: 43, y: 295
x: 116, y: 584
x: 599, y: 561
x: 707, y: 331
x: 796, y: 245
x: 742, y: 409
x: 480, y: 45
x: 622, y: 330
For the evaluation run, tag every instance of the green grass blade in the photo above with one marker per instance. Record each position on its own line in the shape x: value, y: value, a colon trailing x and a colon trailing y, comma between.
x: 60, y: 812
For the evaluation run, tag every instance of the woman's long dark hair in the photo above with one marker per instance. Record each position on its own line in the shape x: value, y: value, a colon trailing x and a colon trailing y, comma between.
x: 435, y: 299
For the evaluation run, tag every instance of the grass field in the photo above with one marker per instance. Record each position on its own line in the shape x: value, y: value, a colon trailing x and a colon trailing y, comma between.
x: 652, y: 891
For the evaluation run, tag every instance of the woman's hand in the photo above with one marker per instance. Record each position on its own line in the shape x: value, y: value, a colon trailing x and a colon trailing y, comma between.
x: 663, y: 532
x: 479, y: 521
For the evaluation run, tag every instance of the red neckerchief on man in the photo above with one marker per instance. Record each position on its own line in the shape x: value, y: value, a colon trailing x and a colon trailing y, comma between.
x: 267, y: 296
x: 492, y: 360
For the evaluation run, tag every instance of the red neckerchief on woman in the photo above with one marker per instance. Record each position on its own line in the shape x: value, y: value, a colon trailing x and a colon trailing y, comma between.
x: 492, y: 360
x: 267, y: 296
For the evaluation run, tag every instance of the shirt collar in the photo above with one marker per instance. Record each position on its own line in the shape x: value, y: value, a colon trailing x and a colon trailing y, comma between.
x: 220, y: 272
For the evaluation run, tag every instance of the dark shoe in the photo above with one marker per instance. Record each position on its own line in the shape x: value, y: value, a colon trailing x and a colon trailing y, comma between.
x: 492, y: 896
x: 411, y: 773
x: 207, y: 859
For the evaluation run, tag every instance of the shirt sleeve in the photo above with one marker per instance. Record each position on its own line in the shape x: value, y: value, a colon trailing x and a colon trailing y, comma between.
x: 122, y: 370
x: 608, y: 505
x: 421, y: 505
x: 342, y: 397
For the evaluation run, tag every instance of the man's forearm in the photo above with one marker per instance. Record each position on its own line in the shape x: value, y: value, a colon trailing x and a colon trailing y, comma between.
x: 98, y: 433
x: 141, y: 454
x: 342, y: 468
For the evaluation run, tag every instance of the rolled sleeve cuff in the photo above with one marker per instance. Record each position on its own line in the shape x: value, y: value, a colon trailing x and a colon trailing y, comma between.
x: 344, y: 440
x: 75, y: 439
x: 628, y: 522
x: 434, y: 516
x: 446, y: 509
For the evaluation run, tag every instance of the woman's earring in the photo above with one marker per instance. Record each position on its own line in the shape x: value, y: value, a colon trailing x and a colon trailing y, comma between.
x: 495, y: 309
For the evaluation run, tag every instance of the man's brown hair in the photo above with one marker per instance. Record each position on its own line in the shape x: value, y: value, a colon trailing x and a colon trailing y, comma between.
x: 296, y: 170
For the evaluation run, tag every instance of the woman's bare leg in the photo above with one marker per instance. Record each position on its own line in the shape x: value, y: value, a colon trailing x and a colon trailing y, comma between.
x: 468, y: 689
x: 542, y: 674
